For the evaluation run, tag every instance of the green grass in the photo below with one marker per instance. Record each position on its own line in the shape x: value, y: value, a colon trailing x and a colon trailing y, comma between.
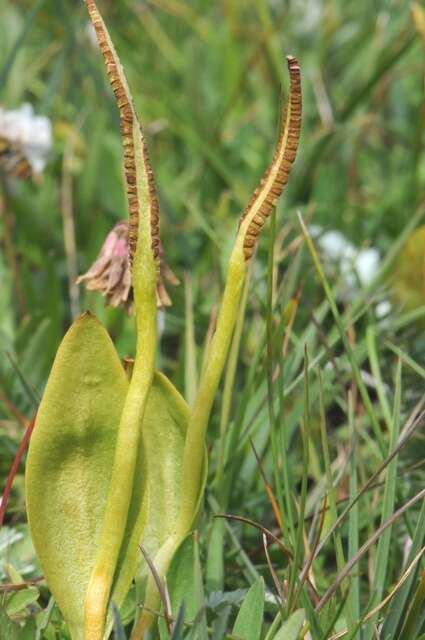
x: 323, y: 388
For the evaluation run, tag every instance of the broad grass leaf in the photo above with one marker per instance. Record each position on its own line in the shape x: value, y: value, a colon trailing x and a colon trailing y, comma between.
x: 291, y: 628
x: 19, y: 600
x: 70, y: 460
x: 249, y: 620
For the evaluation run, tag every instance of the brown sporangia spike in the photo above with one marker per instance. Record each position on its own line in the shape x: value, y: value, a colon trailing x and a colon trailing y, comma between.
x: 128, y: 123
x: 266, y: 195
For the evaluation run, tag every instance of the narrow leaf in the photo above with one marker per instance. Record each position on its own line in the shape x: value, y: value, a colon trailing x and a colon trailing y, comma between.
x: 292, y: 627
x: 249, y: 620
x: 18, y: 600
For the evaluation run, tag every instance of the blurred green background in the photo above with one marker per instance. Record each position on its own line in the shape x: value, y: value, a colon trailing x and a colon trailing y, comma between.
x: 209, y: 80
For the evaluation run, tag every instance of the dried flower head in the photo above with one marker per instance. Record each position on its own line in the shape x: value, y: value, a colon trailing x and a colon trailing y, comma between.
x: 111, y: 272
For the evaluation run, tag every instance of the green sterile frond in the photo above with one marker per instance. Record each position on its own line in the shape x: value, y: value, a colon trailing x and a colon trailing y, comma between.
x: 70, y: 457
x: 163, y: 437
x: 69, y: 466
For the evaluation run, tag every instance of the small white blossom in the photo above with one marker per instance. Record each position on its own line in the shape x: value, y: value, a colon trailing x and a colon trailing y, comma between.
x: 90, y: 34
x: 335, y: 246
x: 383, y: 308
x: 31, y: 133
x: 366, y: 264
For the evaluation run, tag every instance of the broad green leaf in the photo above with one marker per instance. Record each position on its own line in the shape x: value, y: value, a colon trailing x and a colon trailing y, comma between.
x: 249, y: 620
x: 18, y: 600
x: 70, y: 460
x: 163, y: 436
x: 291, y: 628
x: 164, y: 430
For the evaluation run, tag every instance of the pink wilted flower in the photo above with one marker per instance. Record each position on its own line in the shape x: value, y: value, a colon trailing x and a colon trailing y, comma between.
x: 111, y: 274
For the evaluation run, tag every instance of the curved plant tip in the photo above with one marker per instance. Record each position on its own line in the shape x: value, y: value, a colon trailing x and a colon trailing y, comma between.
x: 193, y: 464
x: 143, y: 234
x: 271, y: 187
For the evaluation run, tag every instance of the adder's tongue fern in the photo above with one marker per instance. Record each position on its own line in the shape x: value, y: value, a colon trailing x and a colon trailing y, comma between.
x: 118, y: 441
x: 144, y: 256
x: 262, y: 202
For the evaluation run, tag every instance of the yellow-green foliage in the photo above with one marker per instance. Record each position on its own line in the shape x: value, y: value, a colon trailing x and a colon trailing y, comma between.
x: 408, y: 276
x: 114, y: 461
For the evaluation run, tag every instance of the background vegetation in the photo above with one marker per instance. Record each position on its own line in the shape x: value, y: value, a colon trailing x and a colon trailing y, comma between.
x: 326, y: 376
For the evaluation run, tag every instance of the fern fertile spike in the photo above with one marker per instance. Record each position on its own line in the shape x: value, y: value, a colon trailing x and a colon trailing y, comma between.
x: 129, y: 124
x: 266, y: 195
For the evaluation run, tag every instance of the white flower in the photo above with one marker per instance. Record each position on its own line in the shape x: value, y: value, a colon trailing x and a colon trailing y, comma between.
x: 335, y: 246
x: 383, y: 308
x: 308, y: 14
x: 366, y: 264
x: 90, y: 34
x: 31, y: 133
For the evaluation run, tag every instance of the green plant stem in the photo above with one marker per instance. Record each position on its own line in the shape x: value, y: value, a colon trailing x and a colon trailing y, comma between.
x: 274, y: 627
x: 122, y: 476
x: 298, y: 547
x: 274, y: 428
x: 190, y: 369
x: 331, y: 492
x: 353, y: 525
x: 230, y: 380
x: 193, y: 457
